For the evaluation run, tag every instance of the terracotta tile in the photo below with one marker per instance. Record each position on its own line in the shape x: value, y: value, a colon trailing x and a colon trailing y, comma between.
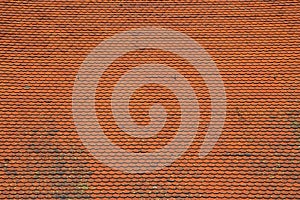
x: 255, y: 46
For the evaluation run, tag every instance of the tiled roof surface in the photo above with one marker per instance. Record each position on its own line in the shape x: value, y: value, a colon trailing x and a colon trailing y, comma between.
x: 255, y: 46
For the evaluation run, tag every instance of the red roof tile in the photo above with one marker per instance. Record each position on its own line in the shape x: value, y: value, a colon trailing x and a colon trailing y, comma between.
x: 254, y: 45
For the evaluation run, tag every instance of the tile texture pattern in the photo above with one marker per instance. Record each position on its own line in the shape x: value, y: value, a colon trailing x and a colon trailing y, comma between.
x: 255, y: 45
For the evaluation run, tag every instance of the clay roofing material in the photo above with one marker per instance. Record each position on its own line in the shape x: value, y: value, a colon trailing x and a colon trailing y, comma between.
x: 253, y: 44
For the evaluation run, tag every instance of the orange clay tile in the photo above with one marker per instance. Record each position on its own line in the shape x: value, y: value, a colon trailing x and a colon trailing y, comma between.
x: 255, y: 46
